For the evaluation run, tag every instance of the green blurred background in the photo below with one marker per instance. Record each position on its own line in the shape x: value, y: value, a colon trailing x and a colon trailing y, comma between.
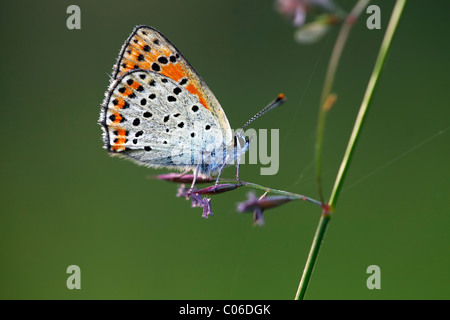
x: 64, y: 201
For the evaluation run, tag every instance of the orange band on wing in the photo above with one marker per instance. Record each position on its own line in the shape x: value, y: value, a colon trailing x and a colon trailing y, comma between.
x: 135, y: 85
x: 127, y: 92
x: 117, y: 118
x: 173, y: 71
x: 139, y: 55
x: 192, y: 89
x: 121, y: 132
x: 118, y: 148
x: 120, y: 140
x: 120, y: 103
x: 176, y: 72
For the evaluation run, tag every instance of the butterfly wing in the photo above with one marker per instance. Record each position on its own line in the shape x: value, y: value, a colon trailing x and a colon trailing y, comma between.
x: 156, y: 122
x: 148, y: 49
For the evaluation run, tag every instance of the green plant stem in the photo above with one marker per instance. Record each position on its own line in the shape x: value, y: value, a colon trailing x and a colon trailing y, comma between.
x: 315, y: 247
x: 325, y: 218
x: 328, y: 85
x: 395, y: 17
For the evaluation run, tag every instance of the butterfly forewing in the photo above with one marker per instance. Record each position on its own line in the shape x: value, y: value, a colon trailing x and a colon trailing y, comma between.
x: 148, y: 49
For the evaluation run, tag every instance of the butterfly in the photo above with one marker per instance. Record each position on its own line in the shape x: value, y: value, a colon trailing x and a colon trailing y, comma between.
x: 159, y: 112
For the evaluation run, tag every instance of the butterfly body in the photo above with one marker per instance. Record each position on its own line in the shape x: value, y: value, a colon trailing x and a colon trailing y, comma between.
x: 158, y: 111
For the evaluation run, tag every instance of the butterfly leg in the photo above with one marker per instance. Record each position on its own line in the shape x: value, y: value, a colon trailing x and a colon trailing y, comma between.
x: 184, y: 173
x: 237, y: 170
x: 196, y: 170
x: 221, y: 169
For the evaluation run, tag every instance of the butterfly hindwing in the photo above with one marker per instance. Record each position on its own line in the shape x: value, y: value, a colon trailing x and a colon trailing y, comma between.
x: 156, y: 122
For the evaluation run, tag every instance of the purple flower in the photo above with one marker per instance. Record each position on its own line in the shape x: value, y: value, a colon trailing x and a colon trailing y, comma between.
x: 258, y: 217
x: 250, y: 205
x: 220, y: 188
x: 183, y: 178
x: 183, y: 191
x: 258, y: 205
x: 311, y: 32
x: 197, y: 200
x: 195, y: 194
x: 297, y: 9
x: 206, y: 208
x: 263, y: 203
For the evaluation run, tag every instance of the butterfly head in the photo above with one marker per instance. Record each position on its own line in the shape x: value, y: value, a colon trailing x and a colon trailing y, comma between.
x: 241, y: 143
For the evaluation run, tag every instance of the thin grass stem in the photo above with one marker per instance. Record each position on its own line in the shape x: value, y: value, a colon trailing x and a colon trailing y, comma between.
x: 325, y: 218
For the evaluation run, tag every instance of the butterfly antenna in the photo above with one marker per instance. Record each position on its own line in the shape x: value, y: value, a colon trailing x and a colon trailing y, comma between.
x: 272, y: 105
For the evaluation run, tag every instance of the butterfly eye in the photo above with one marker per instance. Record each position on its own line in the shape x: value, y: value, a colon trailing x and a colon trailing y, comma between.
x: 240, y: 141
